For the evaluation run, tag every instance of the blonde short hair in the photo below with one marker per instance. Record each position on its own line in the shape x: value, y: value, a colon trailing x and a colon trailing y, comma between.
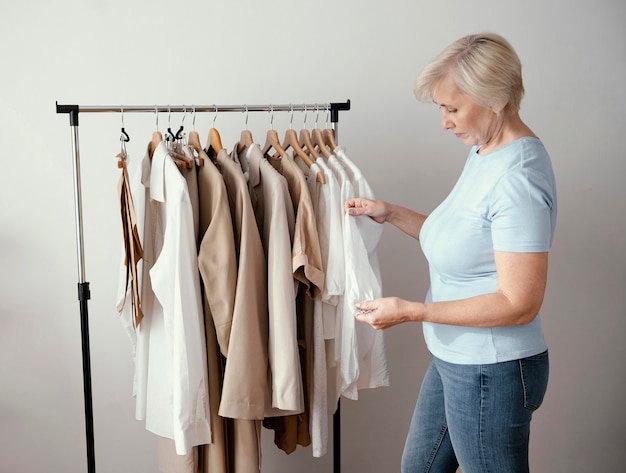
x: 483, y: 66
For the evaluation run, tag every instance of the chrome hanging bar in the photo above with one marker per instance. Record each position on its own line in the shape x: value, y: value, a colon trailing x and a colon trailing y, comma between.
x: 333, y: 107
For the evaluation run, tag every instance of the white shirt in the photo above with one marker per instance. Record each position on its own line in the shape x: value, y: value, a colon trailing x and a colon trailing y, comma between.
x: 359, y: 349
x: 373, y: 370
x: 170, y: 383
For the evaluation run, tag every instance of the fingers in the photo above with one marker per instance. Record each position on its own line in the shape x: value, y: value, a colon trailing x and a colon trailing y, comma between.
x: 356, y: 206
x: 375, y: 209
x: 356, y: 202
x: 366, y: 307
x: 367, y: 312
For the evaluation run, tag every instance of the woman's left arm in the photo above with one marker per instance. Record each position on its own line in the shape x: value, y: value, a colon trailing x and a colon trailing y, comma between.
x: 517, y: 300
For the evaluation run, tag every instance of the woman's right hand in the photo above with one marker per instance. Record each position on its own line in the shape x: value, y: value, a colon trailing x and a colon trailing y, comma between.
x: 407, y: 220
x: 377, y: 210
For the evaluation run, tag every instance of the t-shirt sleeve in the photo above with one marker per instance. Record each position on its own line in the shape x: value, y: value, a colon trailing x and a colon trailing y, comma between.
x: 521, y: 211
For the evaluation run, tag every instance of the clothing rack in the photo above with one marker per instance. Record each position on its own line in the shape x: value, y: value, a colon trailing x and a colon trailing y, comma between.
x: 83, y: 286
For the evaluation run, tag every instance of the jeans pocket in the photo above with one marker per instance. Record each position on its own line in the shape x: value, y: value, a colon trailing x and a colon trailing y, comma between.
x: 534, y: 372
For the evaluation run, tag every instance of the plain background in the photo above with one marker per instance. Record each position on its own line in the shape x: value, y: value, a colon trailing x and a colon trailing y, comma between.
x: 112, y: 52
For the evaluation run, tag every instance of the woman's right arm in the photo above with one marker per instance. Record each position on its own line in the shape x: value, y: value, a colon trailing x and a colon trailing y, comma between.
x: 407, y: 220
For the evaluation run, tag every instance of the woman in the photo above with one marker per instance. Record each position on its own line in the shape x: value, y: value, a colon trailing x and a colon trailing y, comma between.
x: 487, y: 247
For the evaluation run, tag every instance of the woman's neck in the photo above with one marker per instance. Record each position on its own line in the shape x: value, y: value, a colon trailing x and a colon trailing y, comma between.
x: 510, y: 129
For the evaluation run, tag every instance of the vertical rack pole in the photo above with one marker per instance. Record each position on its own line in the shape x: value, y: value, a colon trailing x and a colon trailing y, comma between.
x: 83, y: 288
x: 334, y: 118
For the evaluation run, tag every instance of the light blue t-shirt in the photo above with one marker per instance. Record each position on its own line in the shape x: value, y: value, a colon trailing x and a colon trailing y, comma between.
x: 504, y: 201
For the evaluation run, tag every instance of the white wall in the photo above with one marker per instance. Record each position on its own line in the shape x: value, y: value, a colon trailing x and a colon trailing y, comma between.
x: 282, y: 51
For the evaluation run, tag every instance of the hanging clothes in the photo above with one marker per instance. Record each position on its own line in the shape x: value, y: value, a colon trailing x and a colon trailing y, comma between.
x: 133, y: 252
x: 243, y: 391
x: 308, y: 271
x: 266, y: 270
x: 306, y: 253
x: 274, y: 215
x: 170, y: 383
x: 358, y: 347
x: 217, y: 262
x: 373, y: 369
x: 328, y: 222
x: 236, y: 441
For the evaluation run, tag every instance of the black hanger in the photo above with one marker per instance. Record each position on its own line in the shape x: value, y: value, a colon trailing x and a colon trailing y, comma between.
x: 125, y: 138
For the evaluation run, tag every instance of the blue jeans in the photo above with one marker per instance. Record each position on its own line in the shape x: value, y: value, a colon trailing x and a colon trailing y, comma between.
x: 475, y: 416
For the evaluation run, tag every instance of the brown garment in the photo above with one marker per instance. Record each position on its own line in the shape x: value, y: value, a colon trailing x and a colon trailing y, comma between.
x: 293, y: 430
x: 306, y: 253
x: 245, y: 382
x: 275, y: 218
x: 218, y: 270
x: 133, y: 251
x: 243, y: 391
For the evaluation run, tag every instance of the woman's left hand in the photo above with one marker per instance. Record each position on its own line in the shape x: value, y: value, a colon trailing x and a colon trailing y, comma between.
x: 385, y: 312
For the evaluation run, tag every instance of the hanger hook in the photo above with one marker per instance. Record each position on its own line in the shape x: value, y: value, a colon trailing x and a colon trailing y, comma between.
x: 305, y: 114
x: 271, y: 117
x: 290, y: 116
x: 317, y: 114
x: 215, y: 116
x: 124, y: 137
x: 327, y: 114
x: 194, y: 118
x: 156, y: 114
x: 179, y: 134
x: 246, y: 112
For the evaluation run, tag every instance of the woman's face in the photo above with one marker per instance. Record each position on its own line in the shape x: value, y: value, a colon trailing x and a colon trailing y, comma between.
x: 472, y: 123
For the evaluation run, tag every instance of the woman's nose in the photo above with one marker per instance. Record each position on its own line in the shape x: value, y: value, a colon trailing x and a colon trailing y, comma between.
x: 446, y: 123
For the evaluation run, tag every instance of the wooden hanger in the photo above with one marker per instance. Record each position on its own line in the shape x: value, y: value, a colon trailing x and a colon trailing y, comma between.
x: 245, y: 140
x: 214, y: 141
x: 291, y: 140
x: 271, y: 141
x: 194, y: 142
x: 320, y: 143
x: 157, y: 137
x: 329, y: 135
x: 306, y: 144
